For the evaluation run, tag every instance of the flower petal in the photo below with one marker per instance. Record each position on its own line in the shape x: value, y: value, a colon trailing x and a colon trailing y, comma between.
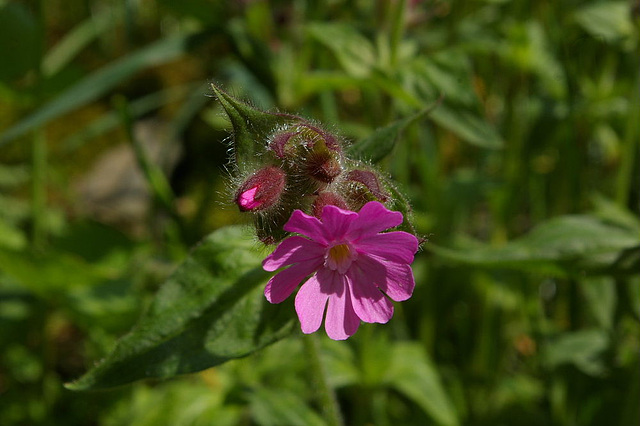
x: 368, y: 302
x: 293, y: 250
x: 306, y: 225
x: 310, y: 303
x: 373, y: 217
x: 341, y: 321
x: 282, y: 284
x: 394, y: 279
x: 397, y: 246
x: 337, y: 221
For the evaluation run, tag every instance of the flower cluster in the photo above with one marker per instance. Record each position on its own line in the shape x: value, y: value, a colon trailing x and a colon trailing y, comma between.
x: 301, y: 182
x: 304, y: 168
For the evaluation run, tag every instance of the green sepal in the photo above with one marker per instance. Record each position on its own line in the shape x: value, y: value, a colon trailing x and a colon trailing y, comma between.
x: 251, y: 129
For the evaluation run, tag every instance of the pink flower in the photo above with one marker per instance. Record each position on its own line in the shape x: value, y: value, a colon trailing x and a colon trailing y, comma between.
x: 353, y: 267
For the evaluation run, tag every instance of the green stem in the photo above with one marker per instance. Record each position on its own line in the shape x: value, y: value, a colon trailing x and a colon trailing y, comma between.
x: 39, y: 149
x: 38, y: 188
x: 629, y: 150
x: 158, y: 184
x: 326, y: 395
x: 397, y: 30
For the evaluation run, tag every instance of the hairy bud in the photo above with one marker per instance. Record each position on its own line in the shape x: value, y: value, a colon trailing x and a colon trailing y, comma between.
x: 321, y: 163
x: 327, y: 198
x: 281, y: 143
x: 361, y: 186
x: 261, y: 190
x: 370, y: 181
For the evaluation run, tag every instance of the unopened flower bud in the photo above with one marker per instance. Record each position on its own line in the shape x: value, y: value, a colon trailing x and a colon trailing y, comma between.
x: 327, y: 198
x: 295, y: 140
x: 362, y: 186
x: 261, y: 190
x: 281, y: 143
x: 370, y: 182
x: 314, y: 134
x: 321, y: 163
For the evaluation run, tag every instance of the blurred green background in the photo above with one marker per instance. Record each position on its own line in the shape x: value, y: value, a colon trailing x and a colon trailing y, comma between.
x: 524, y: 178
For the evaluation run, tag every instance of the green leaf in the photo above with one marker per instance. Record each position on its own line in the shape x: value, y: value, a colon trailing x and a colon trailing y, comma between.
x: 12, y: 176
x: 282, y: 407
x: 177, y: 403
x: 11, y: 237
x: 209, y: 311
x: 251, y: 128
x: 528, y: 48
x: 413, y: 375
x: 600, y: 293
x: 19, y: 45
x: 581, y: 348
x: 76, y: 40
x: 467, y: 125
x: 341, y: 364
x: 354, y: 52
x: 449, y: 72
x: 100, y: 82
x: 609, y: 20
x: 561, y: 244
x: 139, y: 107
x: 50, y: 274
x: 611, y: 212
x: 380, y: 143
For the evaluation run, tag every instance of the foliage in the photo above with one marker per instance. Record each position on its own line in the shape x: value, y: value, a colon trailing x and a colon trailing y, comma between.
x: 512, y: 127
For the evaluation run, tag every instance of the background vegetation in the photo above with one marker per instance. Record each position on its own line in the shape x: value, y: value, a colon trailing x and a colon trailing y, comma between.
x: 525, y: 179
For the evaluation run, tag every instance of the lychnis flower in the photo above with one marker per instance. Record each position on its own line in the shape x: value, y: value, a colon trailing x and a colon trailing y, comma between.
x: 356, y: 268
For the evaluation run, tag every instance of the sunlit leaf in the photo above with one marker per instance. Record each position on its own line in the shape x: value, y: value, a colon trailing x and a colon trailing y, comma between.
x: 610, y: 21
x: 467, y: 125
x: 177, y: 403
x: 49, y: 274
x: 282, y: 407
x: 209, y: 311
x: 412, y: 374
x: 582, y: 348
x: 354, y: 52
x: 560, y: 244
x: 101, y: 81
x: 341, y: 364
x: 527, y: 47
x: 76, y: 40
x: 380, y: 143
x: 600, y: 293
x: 11, y: 237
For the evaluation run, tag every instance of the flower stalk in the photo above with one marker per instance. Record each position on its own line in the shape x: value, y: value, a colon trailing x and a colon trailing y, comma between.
x: 325, y: 393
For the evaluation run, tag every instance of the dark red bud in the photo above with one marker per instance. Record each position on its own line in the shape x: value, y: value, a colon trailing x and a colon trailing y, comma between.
x: 322, y: 164
x: 326, y: 198
x: 261, y: 190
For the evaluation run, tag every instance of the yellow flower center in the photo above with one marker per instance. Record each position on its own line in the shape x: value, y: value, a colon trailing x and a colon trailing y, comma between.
x: 339, y: 257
